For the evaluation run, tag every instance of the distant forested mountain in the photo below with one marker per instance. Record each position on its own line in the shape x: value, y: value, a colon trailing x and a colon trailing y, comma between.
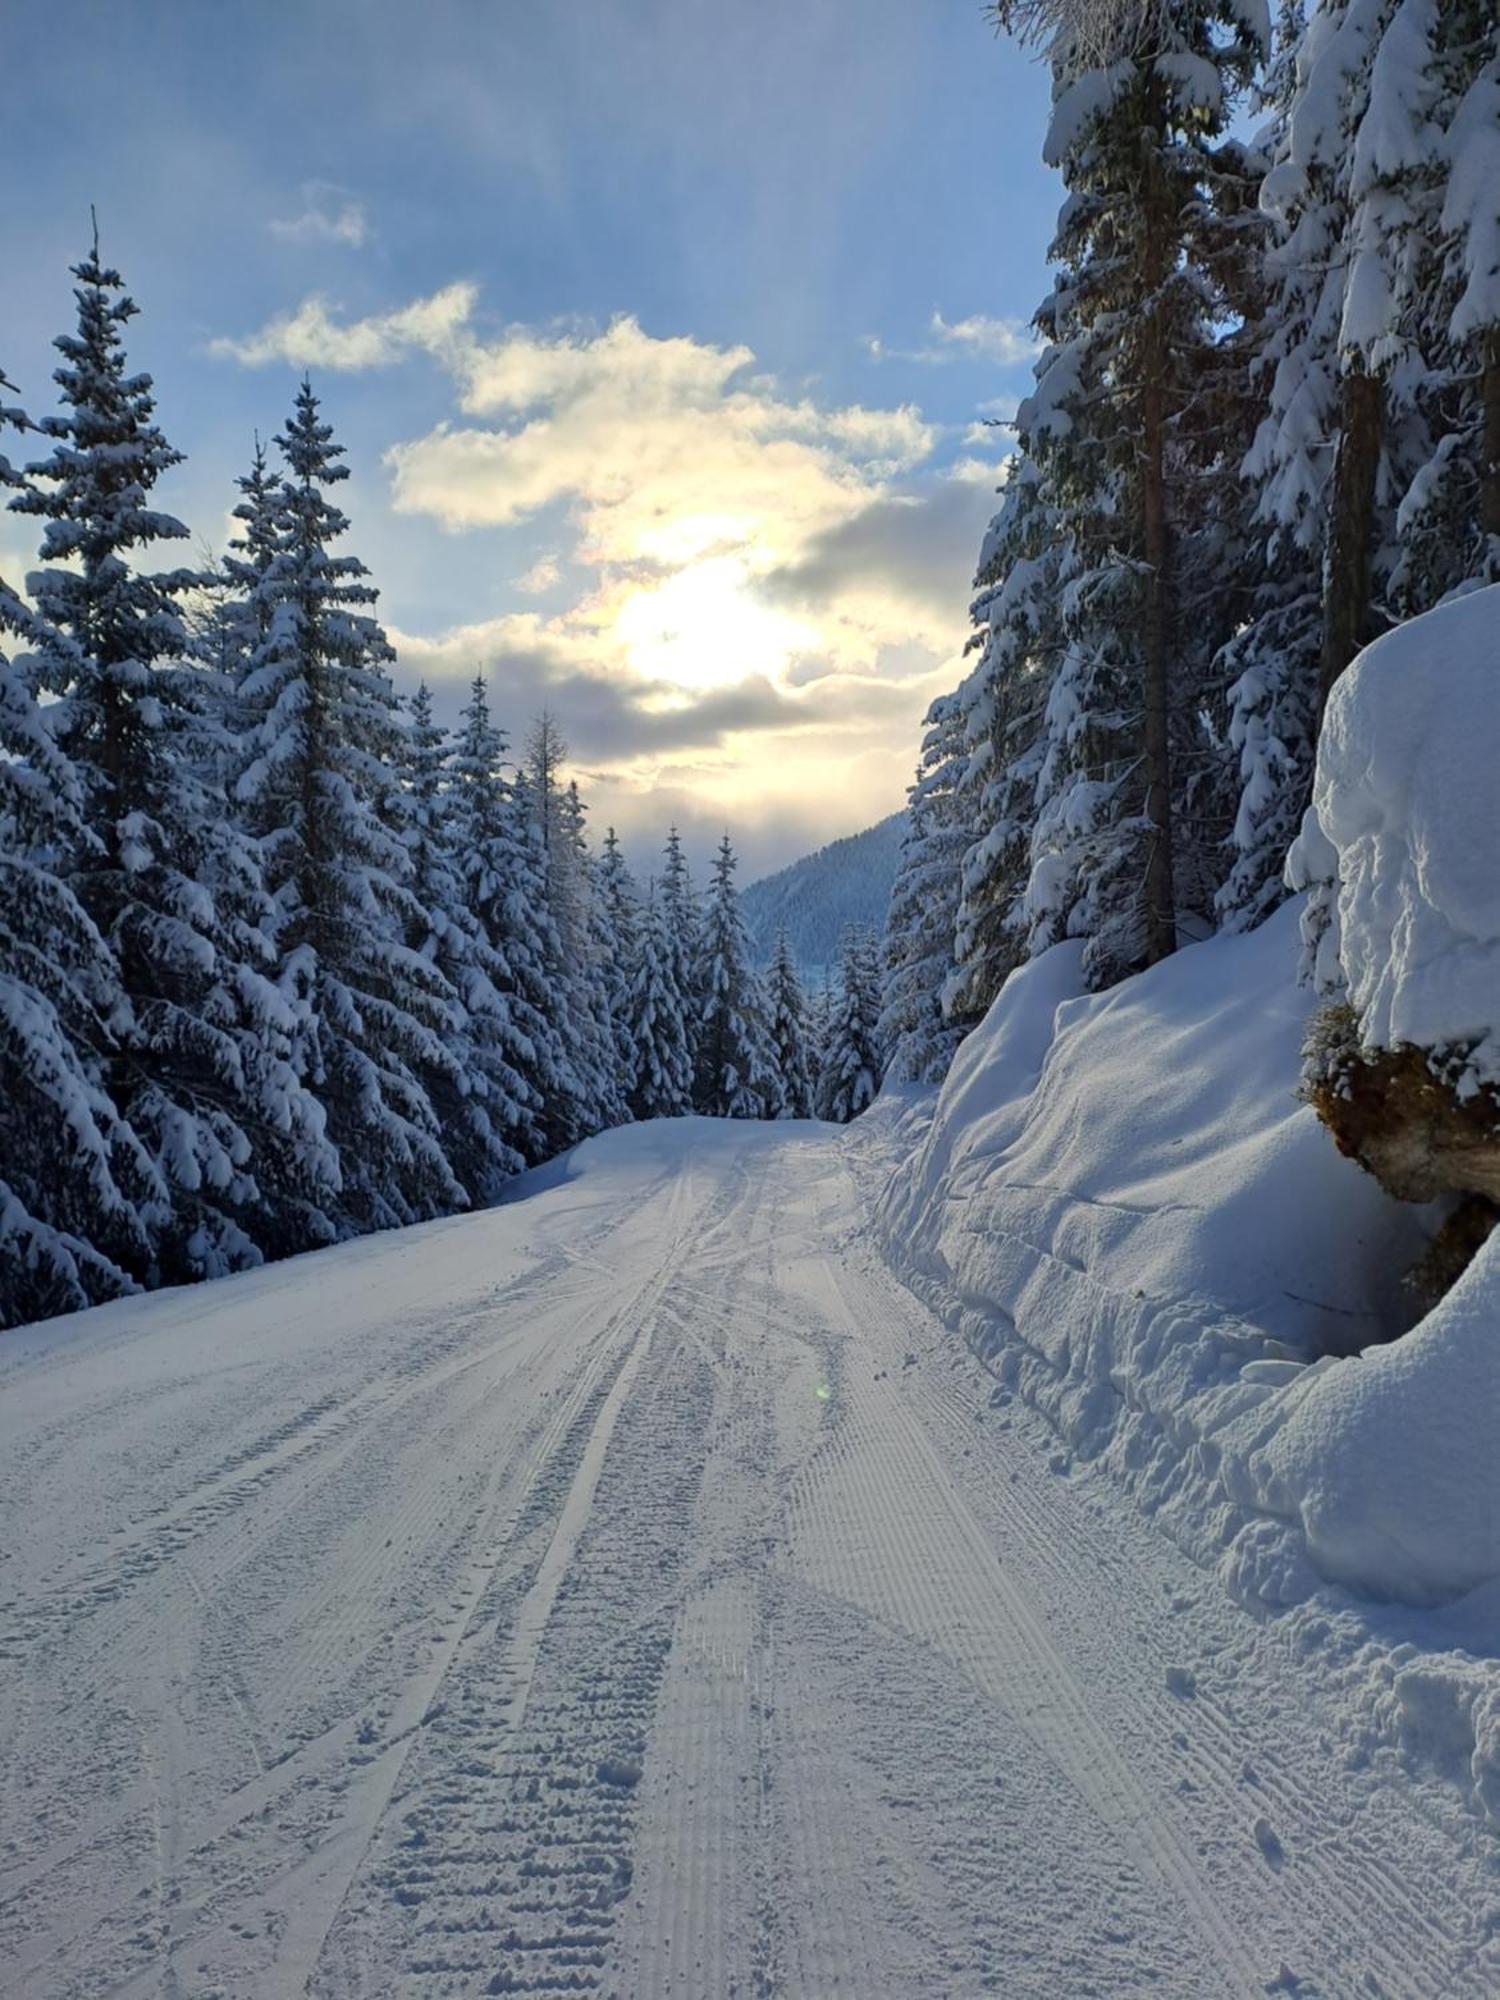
x: 846, y: 882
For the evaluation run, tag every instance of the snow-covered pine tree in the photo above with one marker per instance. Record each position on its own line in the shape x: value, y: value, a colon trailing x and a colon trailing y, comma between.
x: 733, y: 1072
x: 590, y: 1097
x: 682, y: 922
x: 1124, y: 425
x: 1368, y: 464
x: 240, y: 615
x: 592, y: 979
x: 1003, y: 702
x: 789, y: 1028
x: 321, y: 793
x: 1433, y: 132
x: 619, y: 917
x: 662, y: 1082
x: 918, y: 1036
x: 503, y: 871
x: 849, y: 1066
x: 1345, y: 430
x: 74, y: 1182
x: 1269, y: 668
x: 546, y: 754
x: 483, y: 1102
x: 819, y: 1007
x: 199, y: 1073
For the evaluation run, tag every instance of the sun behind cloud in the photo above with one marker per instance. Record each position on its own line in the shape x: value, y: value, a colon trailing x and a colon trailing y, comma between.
x: 702, y: 627
x: 748, y: 585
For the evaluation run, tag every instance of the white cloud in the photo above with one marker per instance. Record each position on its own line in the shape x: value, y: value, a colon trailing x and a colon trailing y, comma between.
x: 310, y: 336
x: 544, y: 575
x: 989, y: 472
x: 759, y: 582
x: 329, y: 215
x: 1006, y: 341
x: 665, y: 450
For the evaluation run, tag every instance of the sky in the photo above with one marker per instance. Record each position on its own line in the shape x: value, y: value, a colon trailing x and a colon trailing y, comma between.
x: 671, y: 344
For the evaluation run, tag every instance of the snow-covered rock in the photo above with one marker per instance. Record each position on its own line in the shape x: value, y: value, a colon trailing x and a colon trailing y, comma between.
x: 1404, y: 818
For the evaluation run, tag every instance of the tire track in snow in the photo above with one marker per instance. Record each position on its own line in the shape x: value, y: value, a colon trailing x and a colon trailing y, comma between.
x: 365, y: 1772
x: 916, y: 1522
x: 1343, y: 1895
x: 514, y: 1843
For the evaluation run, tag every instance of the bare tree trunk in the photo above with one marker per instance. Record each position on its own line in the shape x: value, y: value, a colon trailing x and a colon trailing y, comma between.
x: 1489, y: 488
x: 1161, y: 912
x: 1346, y: 577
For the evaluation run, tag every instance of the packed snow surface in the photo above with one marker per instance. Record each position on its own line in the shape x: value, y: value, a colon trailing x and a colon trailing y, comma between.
x: 1403, y: 806
x: 634, y: 1590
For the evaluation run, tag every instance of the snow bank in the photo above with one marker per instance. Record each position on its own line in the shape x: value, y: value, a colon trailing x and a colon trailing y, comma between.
x: 1124, y: 1208
x: 1403, y: 817
x: 1392, y: 1468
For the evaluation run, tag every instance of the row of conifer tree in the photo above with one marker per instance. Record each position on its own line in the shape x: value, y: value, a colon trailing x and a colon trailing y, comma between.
x: 1264, y: 427
x: 282, y: 960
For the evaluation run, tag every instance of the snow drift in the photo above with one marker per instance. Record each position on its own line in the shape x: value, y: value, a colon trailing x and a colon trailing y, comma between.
x: 1125, y: 1209
x: 1122, y: 1205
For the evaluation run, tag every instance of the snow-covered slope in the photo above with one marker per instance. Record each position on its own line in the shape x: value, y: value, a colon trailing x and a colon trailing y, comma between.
x: 1128, y: 1212
x: 847, y: 882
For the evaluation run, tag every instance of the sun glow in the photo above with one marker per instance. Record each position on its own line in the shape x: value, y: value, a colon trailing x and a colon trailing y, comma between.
x: 702, y: 627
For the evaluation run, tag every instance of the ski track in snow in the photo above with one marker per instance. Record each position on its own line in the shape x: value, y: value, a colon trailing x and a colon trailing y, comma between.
x: 634, y: 1591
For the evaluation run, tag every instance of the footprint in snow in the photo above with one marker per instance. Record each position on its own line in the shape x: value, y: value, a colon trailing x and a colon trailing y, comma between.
x: 1268, y: 1843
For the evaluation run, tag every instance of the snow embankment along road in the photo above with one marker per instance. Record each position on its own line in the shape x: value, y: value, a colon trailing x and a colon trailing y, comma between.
x: 633, y: 1590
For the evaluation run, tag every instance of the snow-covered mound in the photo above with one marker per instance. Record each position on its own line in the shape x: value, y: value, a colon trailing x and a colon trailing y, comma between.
x: 1128, y: 1213
x: 1391, y: 1468
x: 1404, y: 818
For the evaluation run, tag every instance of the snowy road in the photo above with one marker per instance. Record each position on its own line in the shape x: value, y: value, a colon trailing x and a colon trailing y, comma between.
x: 634, y: 1591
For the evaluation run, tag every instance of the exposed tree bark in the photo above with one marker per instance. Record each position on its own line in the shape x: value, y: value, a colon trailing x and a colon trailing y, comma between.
x: 1161, y: 912
x: 1346, y: 577
x: 1489, y: 490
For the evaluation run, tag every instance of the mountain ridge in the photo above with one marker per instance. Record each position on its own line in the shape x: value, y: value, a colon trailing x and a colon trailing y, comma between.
x: 848, y: 881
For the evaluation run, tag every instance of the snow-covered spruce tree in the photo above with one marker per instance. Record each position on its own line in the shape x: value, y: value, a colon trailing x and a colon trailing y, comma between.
x: 682, y: 921
x: 1003, y: 703
x: 619, y: 920
x: 1441, y: 63
x: 239, y: 617
x: 198, y: 1072
x: 320, y: 790
x: 789, y: 1028
x: 591, y: 1098
x: 597, y: 979
x: 917, y: 1035
x: 733, y: 1072
x: 74, y: 1182
x: 1345, y: 430
x: 503, y: 872
x: 1125, y: 425
x: 1269, y: 668
x: 483, y: 1102
x: 849, y: 1066
x: 661, y: 1085
x: 1369, y: 463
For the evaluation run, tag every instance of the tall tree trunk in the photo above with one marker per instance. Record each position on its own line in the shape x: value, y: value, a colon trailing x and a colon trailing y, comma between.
x: 1489, y: 488
x: 1346, y: 575
x: 1161, y: 912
